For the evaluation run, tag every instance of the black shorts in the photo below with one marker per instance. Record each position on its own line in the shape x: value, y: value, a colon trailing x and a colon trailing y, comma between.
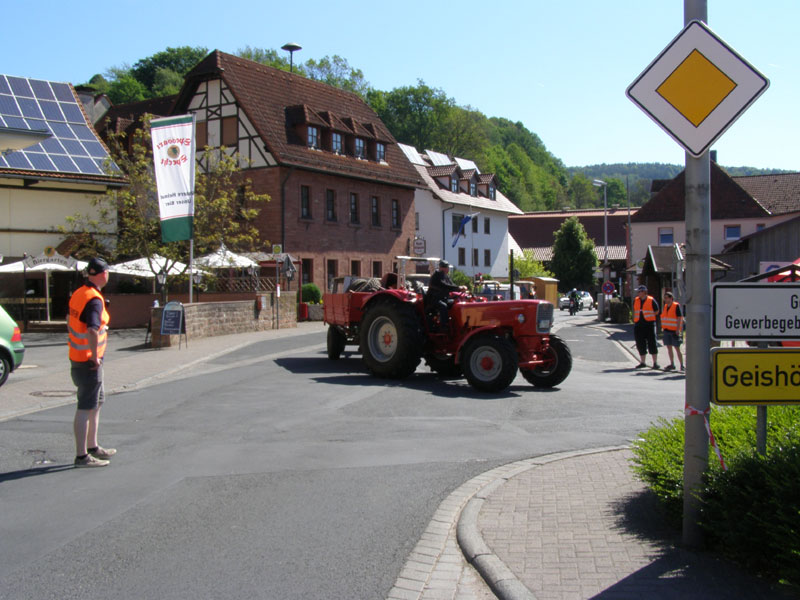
x: 89, y: 382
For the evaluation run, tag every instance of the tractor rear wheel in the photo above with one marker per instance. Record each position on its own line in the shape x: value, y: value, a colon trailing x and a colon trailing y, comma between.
x: 336, y: 343
x: 490, y: 363
x: 555, y: 370
x: 391, y: 340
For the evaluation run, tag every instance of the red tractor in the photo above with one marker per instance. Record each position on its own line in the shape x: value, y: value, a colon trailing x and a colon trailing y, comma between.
x: 485, y: 341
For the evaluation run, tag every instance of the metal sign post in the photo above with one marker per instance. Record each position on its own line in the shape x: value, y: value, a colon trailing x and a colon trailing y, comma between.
x: 694, y: 90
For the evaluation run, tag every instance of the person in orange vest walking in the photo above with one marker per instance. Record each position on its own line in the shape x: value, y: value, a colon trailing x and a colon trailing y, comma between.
x: 645, y: 313
x: 87, y: 327
x: 672, y: 327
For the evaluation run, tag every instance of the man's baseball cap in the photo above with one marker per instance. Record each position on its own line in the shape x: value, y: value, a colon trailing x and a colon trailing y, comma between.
x: 641, y: 288
x: 96, y: 266
x: 444, y: 263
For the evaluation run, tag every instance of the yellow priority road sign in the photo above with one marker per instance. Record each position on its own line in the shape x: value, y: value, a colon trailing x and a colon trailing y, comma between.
x: 745, y: 376
x: 696, y: 88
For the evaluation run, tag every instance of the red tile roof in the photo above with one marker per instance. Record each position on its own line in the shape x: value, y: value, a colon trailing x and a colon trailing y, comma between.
x: 264, y: 94
x: 779, y: 193
x: 728, y: 200
x: 536, y: 230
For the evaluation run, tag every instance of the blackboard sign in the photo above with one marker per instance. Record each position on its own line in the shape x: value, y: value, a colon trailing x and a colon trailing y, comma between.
x: 172, y: 319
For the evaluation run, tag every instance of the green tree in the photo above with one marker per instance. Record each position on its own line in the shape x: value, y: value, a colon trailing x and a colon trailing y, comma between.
x: 126, y: 89
x: 270, y: 57
x: 414, y: 114
x: 336, y: 71
x: 167, y: 82
x: 463, y: 132
x: 574, y: 258
x: 225, y: 206
x: 528, y: 266
x: 582, y: 194
x: 178, y: 60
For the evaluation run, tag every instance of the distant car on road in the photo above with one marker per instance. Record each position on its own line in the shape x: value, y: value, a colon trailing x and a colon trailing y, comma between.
x: 586, y: 301
x: 11, y: 347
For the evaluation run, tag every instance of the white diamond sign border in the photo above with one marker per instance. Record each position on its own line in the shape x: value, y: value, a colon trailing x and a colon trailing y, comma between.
x: 750, y: 84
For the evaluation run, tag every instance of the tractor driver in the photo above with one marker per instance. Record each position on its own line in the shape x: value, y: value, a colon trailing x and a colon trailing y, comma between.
x: 439, y: 292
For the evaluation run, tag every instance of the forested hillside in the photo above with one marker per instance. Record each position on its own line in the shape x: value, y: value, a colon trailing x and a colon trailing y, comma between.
x: 426, y: 118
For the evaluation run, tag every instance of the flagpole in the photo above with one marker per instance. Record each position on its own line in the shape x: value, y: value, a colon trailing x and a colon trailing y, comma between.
x: 191, y: 267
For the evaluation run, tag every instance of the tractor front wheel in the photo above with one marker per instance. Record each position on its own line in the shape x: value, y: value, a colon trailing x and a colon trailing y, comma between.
x: 490, y: 363
x: 556, y: 368
x: 391, y: 340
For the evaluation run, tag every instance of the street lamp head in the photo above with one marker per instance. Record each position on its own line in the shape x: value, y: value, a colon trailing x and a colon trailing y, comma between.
x: 598, y: 183
x: 291, y: 48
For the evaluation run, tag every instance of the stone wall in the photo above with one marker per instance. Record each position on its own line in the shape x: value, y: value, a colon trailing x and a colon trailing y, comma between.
x: 207, y: 319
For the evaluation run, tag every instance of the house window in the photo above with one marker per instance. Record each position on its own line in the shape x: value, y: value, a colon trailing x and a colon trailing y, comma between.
x: 474, y: 224
x: 457, y: 223
x: 462, y: 257
x: 332, y: 269
x: 486, y: 227
x: 355, y: 268
x: 308, y: 270
x: 361, y: 150
x: 475, y: 262
x: 395, y: 214
x: 354, y: 208
x: 305, y: 202
x: 665, y: 237
x: 336, y: 143
x: 375, y: 211
x: 454, y: 185
x: 416, y: 221
x: 330, y: 205
x: 733, y: 232
x: 491, y: 191
x: 313, y: 137
x: 760, y: 226
x: 380, y: 152
x: 377, y: 268
x: 487, y: 258
x: 230, y: 132
x: 473, y: 189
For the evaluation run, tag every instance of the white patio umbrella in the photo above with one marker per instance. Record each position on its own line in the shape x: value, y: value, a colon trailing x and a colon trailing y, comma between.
x: 224, y: 258
x: 140, y: 267
x: 46, y: 264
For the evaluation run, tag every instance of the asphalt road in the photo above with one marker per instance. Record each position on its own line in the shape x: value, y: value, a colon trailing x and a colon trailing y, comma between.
x: 276, y: 473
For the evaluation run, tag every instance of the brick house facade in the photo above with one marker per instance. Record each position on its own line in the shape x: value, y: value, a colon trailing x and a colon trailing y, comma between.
x: 316, y: 150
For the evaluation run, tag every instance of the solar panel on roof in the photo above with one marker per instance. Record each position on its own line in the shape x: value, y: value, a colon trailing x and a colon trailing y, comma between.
x: 39, y: 105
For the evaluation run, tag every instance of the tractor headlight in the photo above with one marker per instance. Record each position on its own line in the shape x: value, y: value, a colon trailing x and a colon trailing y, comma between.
x: 521, y: 318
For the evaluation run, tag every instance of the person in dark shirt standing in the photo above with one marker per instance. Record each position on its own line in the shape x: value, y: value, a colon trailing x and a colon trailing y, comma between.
x: 87, y: 326
x: 439, y: 290
x: 645, y: 313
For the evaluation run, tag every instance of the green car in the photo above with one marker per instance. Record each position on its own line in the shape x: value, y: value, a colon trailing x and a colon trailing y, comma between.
x: 11, y: 347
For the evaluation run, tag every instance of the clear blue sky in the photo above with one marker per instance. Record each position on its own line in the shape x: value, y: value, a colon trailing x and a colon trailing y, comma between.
x: 559, y: 67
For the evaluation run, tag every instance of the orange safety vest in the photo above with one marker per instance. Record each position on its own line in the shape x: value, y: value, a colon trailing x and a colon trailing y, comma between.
x: 648, y: 309
x: 669, y: 317
x: 79, y: 350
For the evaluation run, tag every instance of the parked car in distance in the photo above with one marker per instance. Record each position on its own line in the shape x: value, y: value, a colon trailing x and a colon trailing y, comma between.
x: 586, y: 301
x: 11, y: 347
x: 494, y: 290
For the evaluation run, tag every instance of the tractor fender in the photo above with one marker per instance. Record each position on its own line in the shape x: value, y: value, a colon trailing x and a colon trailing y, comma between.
x: 395, y: 295
x: 499, y: 331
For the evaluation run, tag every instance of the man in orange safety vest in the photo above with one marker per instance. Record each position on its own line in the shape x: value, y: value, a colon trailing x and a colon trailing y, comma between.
x: 645, y: 313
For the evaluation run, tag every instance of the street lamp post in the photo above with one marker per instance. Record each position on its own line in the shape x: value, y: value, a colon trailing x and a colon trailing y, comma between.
x: 604, y: 185
x: 291, y: 48
x: 161, y: 277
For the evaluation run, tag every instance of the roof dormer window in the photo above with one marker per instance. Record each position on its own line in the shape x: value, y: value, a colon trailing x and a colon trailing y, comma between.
x: 313, y: 137
x: 491, y: 191
x: 380, y: 152
x: 361, y: 148
x: 336, y: 143
x: 473, y: 188
x: 454, y: 184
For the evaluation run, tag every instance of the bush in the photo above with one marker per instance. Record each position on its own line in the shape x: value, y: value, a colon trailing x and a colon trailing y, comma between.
x: 751, y: 512
x: 310, y: 293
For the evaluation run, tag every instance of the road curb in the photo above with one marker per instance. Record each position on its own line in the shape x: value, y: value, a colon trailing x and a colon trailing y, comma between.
x: 494, y: 571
